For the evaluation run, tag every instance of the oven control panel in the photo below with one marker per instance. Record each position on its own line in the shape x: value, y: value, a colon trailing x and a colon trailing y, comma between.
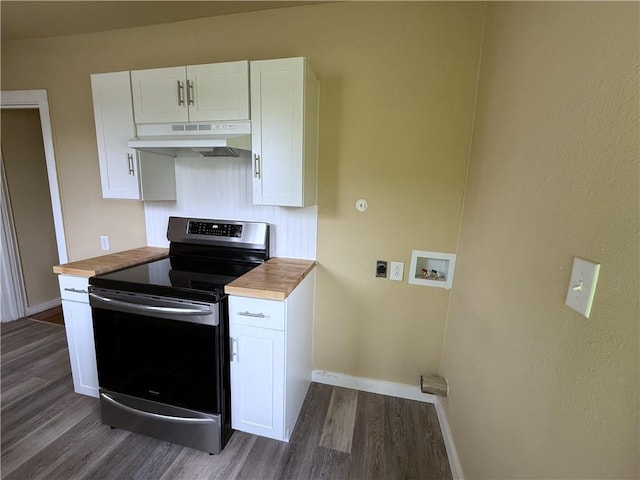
x: 220, y: 233
x: 214, y: 229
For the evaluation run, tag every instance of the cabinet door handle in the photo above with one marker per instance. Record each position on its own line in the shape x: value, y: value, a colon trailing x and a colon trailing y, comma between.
x: 130, y: 160
x: 180, y: 93
x: 256, y: 161
x: 75, y: 290
x: 191, y: 99
x: 234, y: 349
x: 249, y: 314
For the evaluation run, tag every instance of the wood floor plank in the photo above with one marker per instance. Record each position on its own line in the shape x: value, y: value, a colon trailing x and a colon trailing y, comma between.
x: 435, y: 462
x: 161, y: 456
x: 83, y: 447
x: 129, y: 459
x: 52, y: 315
x: 266, y: 455
x: 330, y: 463
x: 46, y: 342
x: 24, y: 336
x: 368, y: 452
x: 194, y: 464
x: 54, y: 366
x: 337, y: 432
x: 299, y: 458
x: 21, y: 418
x: 407, y: 429
x: 76, y: 447
x: 20, y: 390
x: 399, y: 435
x: 7, y: 328
x: 31, y: 444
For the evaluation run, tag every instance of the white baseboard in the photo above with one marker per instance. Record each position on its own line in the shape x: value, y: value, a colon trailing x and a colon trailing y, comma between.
x: 452, y: 453
x: 43, y: 306
x: 400, y: 390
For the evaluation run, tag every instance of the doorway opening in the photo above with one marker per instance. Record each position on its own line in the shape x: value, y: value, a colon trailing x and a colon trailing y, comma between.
x: 30, y: 106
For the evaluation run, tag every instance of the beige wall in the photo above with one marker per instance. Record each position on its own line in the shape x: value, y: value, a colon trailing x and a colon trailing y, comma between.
x: 25, y: 167
x: 538, y: 391
x: 397, y: 85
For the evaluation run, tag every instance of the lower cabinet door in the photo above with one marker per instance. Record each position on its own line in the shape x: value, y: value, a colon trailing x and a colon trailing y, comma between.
x: 82, y: 351
x: 257, y: 381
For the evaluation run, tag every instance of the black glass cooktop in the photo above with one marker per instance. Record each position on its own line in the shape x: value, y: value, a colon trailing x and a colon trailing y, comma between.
x: 194, y: 279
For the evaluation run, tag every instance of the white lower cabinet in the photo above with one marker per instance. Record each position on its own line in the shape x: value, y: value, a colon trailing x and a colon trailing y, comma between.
x: 79, y: 329
x: 270, y: 360
x: 257, y: 370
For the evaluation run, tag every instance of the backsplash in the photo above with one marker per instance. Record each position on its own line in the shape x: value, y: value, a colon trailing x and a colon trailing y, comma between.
x: 221, y: 188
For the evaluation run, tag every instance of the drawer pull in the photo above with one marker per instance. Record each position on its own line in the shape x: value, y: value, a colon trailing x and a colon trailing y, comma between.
x: 249, y: 314
x: 75, y: 290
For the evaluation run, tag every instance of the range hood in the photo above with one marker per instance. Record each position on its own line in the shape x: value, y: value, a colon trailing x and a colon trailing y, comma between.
x: 209, y: 139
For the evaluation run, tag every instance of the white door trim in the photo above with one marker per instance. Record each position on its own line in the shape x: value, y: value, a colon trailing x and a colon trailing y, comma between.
x: 38, y: 99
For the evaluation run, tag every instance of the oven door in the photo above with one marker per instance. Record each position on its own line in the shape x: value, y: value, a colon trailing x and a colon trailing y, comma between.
x: 161, y: 349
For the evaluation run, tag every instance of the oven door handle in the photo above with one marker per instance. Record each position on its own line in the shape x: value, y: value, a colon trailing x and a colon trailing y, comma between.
x: 155, y: 416
x: 150, y: 308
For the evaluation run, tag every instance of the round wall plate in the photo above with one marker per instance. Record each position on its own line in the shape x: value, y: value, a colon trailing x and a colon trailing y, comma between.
x: 361, y: 205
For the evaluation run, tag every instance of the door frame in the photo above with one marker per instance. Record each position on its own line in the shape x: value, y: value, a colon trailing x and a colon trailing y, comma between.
x: 37, y: 99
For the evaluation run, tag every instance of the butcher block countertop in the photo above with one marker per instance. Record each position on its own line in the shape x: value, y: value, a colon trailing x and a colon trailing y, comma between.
x: 273, y: 280
x: 111, y: 262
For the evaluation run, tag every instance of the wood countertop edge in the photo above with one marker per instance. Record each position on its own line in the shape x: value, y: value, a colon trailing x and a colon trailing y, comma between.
x: 273, y: 280
x: 111, y: 262
x: 265, y: 291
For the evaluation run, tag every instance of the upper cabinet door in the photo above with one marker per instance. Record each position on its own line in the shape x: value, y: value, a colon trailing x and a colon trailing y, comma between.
x: 218, y: 91
x: 160, y: 95
x: 124, y: 172
x: 114, y: 126
x: 196, y: 93
x: 284, y: 132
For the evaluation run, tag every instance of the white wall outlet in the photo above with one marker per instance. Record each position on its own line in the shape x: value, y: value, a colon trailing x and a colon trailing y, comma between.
x: 397, y: 270
x: 361, y: 205
x: 582, y: 286
x: 104, y: 243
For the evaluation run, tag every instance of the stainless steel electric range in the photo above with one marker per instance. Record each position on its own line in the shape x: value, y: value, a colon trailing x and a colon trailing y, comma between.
x: 162, y: 336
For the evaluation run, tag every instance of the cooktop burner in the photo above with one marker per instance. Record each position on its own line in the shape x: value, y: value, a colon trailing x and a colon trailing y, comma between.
x: 161, y: 278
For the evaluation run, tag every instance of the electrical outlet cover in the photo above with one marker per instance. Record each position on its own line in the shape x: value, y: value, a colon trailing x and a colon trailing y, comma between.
x: 582, y: 286
x: 397, y: 271
x: 104, y: 242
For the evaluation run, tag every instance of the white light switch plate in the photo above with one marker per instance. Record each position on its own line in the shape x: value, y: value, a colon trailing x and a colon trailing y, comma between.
x: 582, y: 285
x: 104, y: 243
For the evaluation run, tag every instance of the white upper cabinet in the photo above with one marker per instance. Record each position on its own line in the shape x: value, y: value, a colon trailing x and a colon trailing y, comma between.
x: 219, y: 91
x: 284, y: 131
x: 212, y: 92
x: 114, y: 126
x: 124, y: 172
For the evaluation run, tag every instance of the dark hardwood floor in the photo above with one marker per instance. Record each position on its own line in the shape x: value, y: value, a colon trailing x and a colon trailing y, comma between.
x: 52, y: 315
x: 50, y: 432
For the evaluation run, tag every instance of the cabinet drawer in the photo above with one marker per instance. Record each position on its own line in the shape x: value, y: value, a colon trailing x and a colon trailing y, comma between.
x: 74, y: 288
x: 256, y: 312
